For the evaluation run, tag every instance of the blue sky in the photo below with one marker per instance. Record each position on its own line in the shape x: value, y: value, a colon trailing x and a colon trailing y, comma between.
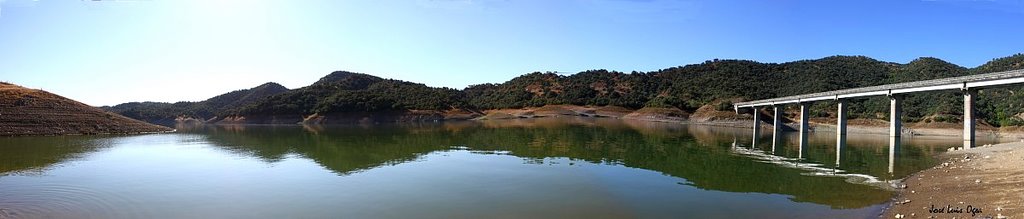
x: 110, y: 52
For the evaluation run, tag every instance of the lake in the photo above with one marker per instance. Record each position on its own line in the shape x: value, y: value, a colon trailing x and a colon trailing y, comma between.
x: 531, y: 168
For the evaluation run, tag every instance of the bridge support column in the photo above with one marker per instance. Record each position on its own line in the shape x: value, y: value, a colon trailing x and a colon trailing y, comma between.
x: 895, y: 112
x: 969, y: 96
x: 776, y: 125
x: 841, y: 119
x: 840, y: 129
x: 805, y: 111
x: 757, y: 127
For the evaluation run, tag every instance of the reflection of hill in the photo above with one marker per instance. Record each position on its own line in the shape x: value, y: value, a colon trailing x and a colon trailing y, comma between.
x: 31, y: 154
x: 340, y: 149
x: 703, y: 159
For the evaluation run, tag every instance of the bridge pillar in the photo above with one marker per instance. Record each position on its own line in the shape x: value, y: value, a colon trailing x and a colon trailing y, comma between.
x: 895, y: 112
x: 776, y: 125
x: 841, y: 119
x: 805, y: 112
x: 969, y: 96
x: 840, y: 128
x: 757, y: 126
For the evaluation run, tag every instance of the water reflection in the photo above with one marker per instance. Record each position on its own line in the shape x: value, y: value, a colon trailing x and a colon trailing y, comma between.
x: 803, y: 146
x: 894, y: 148
x: 776, y: 139
x: 33, y: 155
x: 866, y: 153
x: 840, y: 145
x: 709, y: 163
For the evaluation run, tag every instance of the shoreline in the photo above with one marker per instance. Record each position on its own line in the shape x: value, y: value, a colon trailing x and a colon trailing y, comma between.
x: 982, y: 182
x: 734, y: 121
x: 705, y: 115
x: 85, y: 134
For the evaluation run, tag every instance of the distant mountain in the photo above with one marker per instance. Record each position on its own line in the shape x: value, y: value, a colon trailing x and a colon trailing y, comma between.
x: 348, y: 96
x: 167, y: 113
x: 26, y: 111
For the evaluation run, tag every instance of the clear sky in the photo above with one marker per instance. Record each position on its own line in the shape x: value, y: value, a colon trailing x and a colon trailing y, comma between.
x: 110, y: 52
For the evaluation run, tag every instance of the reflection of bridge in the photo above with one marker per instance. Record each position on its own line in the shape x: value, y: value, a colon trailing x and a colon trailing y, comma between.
x: 894, y: 147
x: 813, y: 168
x: 967, y: 85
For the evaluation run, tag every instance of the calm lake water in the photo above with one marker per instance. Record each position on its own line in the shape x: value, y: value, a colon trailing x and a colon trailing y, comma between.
x: 542, y: 168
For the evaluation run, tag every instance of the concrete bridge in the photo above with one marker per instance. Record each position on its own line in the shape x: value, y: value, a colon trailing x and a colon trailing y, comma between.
x: 967, y: 85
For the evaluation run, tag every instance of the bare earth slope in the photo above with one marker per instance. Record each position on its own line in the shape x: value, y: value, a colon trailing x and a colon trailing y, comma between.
x: 983, y: 182
x: 26, y: 111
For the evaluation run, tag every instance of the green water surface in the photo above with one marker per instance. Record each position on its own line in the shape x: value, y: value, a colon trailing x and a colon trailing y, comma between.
x: 537, y: 168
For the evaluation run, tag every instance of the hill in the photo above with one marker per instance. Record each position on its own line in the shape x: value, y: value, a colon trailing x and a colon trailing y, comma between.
x: 26, y: 111
x: 343, y: 97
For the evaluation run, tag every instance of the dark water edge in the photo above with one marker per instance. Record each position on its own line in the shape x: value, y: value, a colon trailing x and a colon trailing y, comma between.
x: 549, y: 168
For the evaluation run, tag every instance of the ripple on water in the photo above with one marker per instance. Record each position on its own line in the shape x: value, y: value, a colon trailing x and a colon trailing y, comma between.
x: 63, y: 201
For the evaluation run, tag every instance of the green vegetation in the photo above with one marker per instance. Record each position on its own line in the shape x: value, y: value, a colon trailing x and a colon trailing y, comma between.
x: 715, y: 82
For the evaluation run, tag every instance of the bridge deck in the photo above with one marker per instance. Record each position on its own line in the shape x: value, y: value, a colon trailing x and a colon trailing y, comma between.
x: 954, y: 83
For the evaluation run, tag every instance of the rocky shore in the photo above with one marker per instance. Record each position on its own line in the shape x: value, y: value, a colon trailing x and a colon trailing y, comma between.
x: 982, y: 182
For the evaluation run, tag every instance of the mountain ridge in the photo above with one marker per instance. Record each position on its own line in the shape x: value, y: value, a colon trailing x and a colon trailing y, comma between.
x: 690, y: 87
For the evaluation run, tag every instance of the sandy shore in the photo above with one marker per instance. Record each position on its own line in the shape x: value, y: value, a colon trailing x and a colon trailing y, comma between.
x: 983, y: 182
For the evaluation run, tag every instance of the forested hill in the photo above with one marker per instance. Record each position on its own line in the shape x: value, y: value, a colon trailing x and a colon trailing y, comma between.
x: 715, y: 82
x: 343, y: 91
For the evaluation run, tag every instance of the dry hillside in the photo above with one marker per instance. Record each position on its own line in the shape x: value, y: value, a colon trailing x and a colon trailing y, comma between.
x: 26, y: 111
